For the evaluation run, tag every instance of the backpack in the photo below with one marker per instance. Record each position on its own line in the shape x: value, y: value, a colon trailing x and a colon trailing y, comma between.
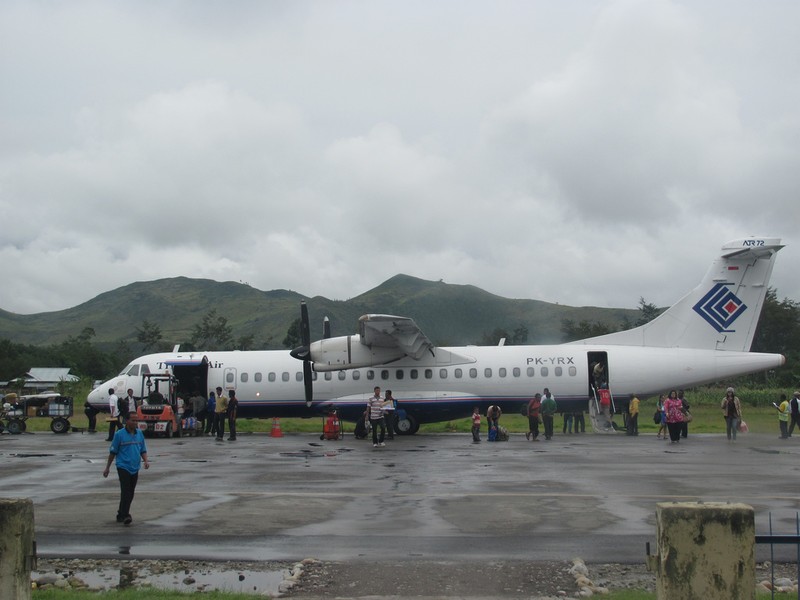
x: 122, y: 406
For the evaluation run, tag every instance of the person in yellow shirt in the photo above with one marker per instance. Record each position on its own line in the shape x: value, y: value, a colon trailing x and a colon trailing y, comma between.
x: 633, y: 416
x: 783, y: 416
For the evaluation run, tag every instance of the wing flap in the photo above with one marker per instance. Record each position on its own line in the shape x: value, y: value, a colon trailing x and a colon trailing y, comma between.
x: 388, y: 331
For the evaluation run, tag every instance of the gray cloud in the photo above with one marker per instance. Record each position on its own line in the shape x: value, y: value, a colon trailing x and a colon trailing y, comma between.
x: 586, y: 154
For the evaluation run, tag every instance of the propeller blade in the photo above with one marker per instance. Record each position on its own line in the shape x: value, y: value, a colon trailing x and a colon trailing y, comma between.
x: 309, y: 382
x: 304, y: 353
x: 305, y: 328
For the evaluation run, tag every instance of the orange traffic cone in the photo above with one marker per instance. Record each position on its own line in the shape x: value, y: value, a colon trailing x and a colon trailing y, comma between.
x: 276, y: 428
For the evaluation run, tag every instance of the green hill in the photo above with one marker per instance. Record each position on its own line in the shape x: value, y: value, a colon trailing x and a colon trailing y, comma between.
x: 449, y: 314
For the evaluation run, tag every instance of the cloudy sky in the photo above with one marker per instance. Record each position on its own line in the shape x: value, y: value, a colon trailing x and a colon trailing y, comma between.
x: 586, y: 152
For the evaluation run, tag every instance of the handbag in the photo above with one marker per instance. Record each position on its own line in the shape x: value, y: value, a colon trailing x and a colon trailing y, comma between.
x: 743, y: 428
x: 687, y: 416
x: 657, y: 417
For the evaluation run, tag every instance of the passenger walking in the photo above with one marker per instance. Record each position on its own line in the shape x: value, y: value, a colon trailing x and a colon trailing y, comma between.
x: 114, y: 420
x: 685, y: 410
x: 220, y: 414
x: 548, y: 410
x: 211, y: 409
x: 732, y: 411
x: 375, y: 411
x: 233, y: 411
x: 567, y: 427
x: 672, y: 409
x: 795, y: 412
x: 130, y: 402
x: 128, y: 448
x: 534, y: 406
x: 633, y: 416
x: 390, y: 414
x: 493, y: 414
x: 662, y: 418
x: 476, y: 424
x: 580, y: 421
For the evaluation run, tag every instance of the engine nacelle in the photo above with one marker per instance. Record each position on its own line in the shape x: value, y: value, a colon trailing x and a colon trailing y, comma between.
x: 347, y: 352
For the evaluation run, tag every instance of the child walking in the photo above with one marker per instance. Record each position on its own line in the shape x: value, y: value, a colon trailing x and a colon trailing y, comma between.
x: 476, y: 425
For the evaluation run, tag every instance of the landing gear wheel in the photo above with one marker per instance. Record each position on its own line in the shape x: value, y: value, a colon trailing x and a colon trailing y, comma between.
x: 407, y: 425
x: 16, y: 426
x: 59, y: 425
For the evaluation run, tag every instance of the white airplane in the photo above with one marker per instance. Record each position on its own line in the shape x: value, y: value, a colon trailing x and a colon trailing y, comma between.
x: 705, y: 337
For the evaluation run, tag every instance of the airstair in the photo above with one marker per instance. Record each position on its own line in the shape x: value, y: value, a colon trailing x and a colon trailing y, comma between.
x: 602, y: 422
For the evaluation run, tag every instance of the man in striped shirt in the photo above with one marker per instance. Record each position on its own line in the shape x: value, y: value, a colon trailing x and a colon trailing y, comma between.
x: 375, y: 410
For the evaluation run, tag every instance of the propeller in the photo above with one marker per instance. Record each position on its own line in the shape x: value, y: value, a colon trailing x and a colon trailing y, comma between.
x: 326, y: 328
x: 303, y: 352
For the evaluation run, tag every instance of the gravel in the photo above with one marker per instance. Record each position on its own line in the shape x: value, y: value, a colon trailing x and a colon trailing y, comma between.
x: 422, y: 579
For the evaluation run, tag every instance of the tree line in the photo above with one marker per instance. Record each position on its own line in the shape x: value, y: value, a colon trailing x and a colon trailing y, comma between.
x: 778, y: 331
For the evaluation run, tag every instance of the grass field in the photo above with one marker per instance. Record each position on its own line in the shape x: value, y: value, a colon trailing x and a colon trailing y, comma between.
x: 757, y: 409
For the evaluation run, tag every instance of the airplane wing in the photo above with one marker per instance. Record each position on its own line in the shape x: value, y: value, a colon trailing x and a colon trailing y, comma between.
x: 388, y: 331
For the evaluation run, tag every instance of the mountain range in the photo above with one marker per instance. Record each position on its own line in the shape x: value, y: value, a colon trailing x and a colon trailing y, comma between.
x: 448, y: 314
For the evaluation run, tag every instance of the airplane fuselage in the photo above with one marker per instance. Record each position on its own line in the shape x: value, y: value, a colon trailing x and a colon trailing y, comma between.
x: 270, y: 383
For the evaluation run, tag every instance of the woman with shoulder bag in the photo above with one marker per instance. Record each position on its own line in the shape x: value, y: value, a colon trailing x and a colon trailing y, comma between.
x: 732, y: 411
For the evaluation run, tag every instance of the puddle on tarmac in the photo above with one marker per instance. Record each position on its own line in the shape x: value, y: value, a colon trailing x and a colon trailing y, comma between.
x: 204, y: 579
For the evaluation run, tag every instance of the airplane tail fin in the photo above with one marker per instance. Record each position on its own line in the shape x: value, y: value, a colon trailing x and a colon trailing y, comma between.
x: 719, y: 314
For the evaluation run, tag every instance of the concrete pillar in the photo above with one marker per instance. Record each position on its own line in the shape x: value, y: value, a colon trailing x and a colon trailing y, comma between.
x: 705, y: 551
x: 17, y: 553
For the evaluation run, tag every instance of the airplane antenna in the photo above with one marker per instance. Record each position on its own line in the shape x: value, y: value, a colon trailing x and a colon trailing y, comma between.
x: 326, y: 328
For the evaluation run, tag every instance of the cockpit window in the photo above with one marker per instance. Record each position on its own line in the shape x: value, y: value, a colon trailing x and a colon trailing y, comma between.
x: 145, y: 369
x: 134, y: 371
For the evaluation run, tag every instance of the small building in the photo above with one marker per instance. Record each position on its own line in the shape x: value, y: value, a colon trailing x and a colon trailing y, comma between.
x: 42, y: 379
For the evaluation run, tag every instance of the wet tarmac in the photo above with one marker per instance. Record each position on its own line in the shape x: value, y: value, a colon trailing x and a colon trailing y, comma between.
x: 425, y: 496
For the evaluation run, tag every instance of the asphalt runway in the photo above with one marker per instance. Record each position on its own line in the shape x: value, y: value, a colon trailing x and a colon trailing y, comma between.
x: 425, y: 496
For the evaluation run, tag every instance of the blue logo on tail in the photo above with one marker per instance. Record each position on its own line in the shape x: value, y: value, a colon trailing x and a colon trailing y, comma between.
x: 720, y: 307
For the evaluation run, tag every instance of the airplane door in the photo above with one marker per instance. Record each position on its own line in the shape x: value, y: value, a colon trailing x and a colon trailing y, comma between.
x: 598, y: 370
x: 229, y: 378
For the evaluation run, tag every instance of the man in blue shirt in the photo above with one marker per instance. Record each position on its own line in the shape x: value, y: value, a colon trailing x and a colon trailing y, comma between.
x: 129, y: 450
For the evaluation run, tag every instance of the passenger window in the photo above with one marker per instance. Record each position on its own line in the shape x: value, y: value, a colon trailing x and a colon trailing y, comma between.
x: 501, y: 371
x: 428, y: 373
x: 442, y: 373
x: 285, y: 376
x: 370, y: 374
x: 487, y: 373
x: 298, y: 376
x: 399, y: 373
x: 414, y: 374
x: 243, y: 377
x: 458, y: 373
x: 473, y: 373
x: 544, y: 371
x: 531, y: 372
x: 516, y: 372
x: 559, y: 371
x: 342, y: 375
x: 271, y: 377
x: 573, y: 371
x: 229, y: 378
x: 257, y: 377
x: 314, y: 376
x: 356, y: 375
x: 328, y: 376
x: 385, y: 374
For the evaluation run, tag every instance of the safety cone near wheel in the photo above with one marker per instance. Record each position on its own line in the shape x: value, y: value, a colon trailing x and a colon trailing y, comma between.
x: 276, y: 428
